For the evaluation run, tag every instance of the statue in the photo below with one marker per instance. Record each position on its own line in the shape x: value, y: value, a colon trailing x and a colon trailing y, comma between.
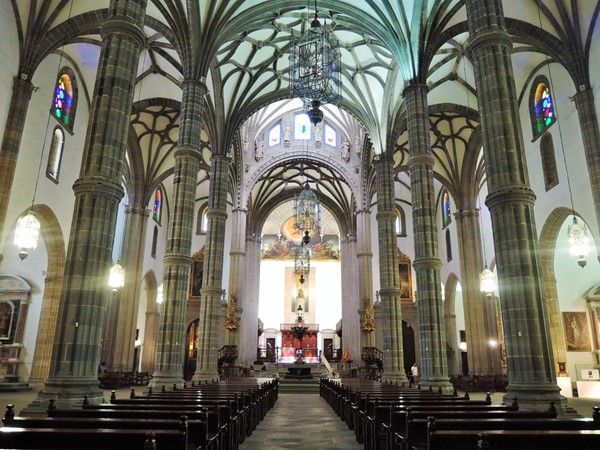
x: 368, y: 322
x: 287, y: 136
x: 345, y: 149
x: 232, y: 320
x: 259, y: 149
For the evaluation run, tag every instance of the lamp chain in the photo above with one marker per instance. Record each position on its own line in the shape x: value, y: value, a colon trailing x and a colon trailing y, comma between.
x: 555, y: 105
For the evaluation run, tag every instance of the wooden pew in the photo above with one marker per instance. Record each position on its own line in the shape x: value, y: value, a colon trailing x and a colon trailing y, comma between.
x: 91, y: 439
x: 466, y: 432
x: 536, y: 439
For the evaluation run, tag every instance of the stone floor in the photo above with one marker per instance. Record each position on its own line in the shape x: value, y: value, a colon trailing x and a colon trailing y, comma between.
x: 301, y: 422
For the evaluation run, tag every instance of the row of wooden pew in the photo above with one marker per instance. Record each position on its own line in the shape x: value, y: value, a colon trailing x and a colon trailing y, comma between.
x: 386, y: 416
x: 215, y: 416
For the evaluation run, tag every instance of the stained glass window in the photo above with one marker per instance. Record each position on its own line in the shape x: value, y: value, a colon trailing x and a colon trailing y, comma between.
x: 446, y: 210
x: 275, y: 135
x: 156, y: 213
x: 63, y: 100
x: 301, y: 127
x: 544, y: 107
x: 330, y: 135
x: 541, y: 104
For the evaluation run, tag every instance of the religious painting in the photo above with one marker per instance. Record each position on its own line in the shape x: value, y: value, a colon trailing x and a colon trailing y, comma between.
x: 577, y: 333
x: 405, y: 277
x: 196, y: 274
x: 274, y: 246
x: 6, y: 320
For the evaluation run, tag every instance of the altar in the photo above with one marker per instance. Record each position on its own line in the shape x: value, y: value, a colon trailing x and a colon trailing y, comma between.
x: 298, y: 372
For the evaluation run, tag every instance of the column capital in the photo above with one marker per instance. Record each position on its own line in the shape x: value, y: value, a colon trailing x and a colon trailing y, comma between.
x: 427, y: 263
x: 466, y: 213
x: 95, y: 184
x: 142, y: 211
x: 421, y: 159
x: 177, y: 260
x: 487, y: 37
x: 411, y: 86
x: 125, y: 27
x: 510, y: 194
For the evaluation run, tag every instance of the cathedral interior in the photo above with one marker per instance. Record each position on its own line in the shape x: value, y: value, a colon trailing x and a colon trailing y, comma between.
x: 454, y: 158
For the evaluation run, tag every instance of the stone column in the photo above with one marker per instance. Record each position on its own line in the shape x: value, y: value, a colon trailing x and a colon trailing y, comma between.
x: 351, y: 336
x: 177, y: 261
x: 136, y: 221
x: 249, y: 341
x: 150, y: 329
x: 450, y: 325
x: 510, y: 200
x: 11, y: 141
x: 389, y: 272
x: 206, y: 367
x: 364, y: 256
x: 109, y: 331
x: 480, y: 317
x: 237, y: 278
x: 588, y: 121
x: 427, y: 264
x: 98, y: 191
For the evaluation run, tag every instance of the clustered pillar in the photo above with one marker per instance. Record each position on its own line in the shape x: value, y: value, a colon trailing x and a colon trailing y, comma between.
x: 206, y: 367
x: 98, y: 191
x: 389, y: 272
x: 427, y: 264
x: 531, y: 368
x: 177, y: 260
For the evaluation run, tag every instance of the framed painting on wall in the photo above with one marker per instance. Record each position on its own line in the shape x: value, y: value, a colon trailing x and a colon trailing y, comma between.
x: 577, y: 333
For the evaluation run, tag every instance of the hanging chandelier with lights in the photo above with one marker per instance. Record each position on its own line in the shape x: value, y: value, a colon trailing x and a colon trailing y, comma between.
x: 579, y: 242
x: 306, y: 212
x: 302, y: 262
x: 487, y: 281
x: 315, y: 69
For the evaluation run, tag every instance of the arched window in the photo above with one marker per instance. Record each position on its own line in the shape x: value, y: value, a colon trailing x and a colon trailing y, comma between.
x: 301, y: 127
x: 548, y: 161
x: 330, y: 136
x: 55, y: 156
x: 157, y: 211
x: 275, y: 135
x: 64, y: 101
x: 202, y: 220
x: 448, y: 245
x: 154, y: 242
x: 541, y: 104
x: 446, y: 209
x: 400, y: 224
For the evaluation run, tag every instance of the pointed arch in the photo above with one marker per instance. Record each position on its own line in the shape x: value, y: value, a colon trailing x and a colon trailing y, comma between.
x: 52, y: 235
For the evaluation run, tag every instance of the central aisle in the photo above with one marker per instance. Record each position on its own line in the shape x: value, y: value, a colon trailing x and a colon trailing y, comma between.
x: 301, y: 421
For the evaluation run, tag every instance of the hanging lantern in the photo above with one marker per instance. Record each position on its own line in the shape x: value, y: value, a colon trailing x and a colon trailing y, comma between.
x: 306, y: 212
x: 27, y: 233
x: 579, y: 242
x: 116, y: 279
x: 301, y: 262
x: 315, y: 69
x: 487, y: 281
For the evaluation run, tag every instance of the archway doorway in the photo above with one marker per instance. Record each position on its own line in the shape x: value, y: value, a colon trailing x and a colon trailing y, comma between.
x: 191, y: 339
x: 408, y: 345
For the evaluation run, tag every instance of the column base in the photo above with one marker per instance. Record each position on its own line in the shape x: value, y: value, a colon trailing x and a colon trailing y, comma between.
x: 204, y: 376
x: 166, y: 379
x: 538, y: 397
x: 66, y: 392
x: 437, y: 383
x: 395, y: 376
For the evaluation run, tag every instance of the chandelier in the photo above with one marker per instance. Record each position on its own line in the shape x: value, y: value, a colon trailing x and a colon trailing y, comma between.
x: 315, y: 69
x: 116, y: 277
x: 302, y: 262
x: 578, y: 242
x: 27, y: 233
x: 306, y: 212
x: 487, y: 281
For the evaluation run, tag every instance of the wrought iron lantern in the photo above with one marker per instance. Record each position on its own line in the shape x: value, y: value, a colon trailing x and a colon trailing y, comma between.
x: 306, y: 212
x: 487, y: 281
x: 27, y: 233
x: 302, y: 262
x: 579, y: 242
x: 116, y: 278
x: 315, y: 69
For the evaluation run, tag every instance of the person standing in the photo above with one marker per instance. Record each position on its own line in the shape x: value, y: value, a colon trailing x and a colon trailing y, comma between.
x: 414, y: 373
